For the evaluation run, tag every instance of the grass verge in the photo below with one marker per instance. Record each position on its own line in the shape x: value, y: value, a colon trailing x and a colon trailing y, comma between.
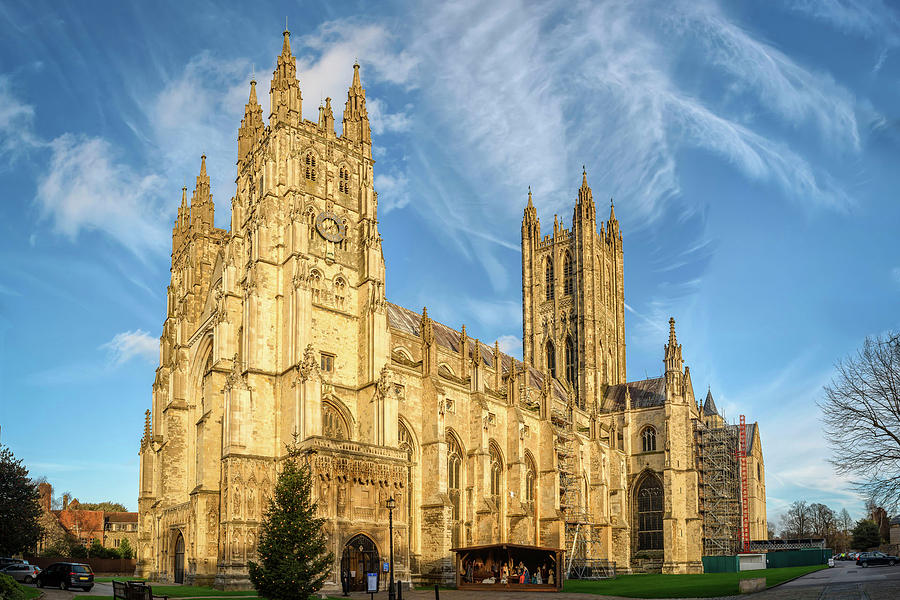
x: 707, y: 585
x: 29, y: 591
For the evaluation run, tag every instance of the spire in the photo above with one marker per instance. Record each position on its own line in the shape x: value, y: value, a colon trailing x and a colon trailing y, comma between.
x: 356, y: 118
x: 531, y: 227
x: 284, y: 93
x: 584, y: 206
x: 673, y: 360
x: 612, y: 211
x: 252, y: 126
x: 202, y: 208
x: 182, y: 221
x: 329, y: 117
x: 286, y: 44
x: 709, y: 405
x: 426, y: 329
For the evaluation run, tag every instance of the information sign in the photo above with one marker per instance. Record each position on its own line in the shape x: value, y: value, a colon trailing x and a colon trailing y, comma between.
x: 371, y: 582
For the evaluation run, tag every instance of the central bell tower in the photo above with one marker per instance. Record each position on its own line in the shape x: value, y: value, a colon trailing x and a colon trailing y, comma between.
x: 573, y: 300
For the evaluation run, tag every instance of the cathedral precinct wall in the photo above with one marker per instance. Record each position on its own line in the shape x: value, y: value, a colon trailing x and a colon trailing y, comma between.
x: 278, y: 334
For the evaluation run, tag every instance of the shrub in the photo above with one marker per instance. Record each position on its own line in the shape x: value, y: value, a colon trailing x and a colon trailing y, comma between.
x: 9, y: 589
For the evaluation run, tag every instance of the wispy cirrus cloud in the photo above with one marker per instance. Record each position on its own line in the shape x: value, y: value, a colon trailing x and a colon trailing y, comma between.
x: 603, y: 88
x: 16, y: 122
x: 131, y: 344
x: 88, y: 188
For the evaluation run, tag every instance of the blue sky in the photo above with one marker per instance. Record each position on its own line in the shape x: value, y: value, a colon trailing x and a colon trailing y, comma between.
x: 751, y: 149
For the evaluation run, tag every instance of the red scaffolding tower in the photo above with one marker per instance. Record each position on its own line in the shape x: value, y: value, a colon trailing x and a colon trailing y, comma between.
x: 745, y: 495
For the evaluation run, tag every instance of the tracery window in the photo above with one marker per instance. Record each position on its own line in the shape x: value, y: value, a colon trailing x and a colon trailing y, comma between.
x: 571, y: 363
x: 315, y: 284
x: 333, y: 424
x: 548, y: 280
x: 568, y: 275
x: 551, y: 359
x: 344, y: 180
x: 496, y: 472
x: 310, y: 166
x: 648, y: 439
x: 454, y: 472
x: 530, y: 479
x: 340, y: 292
x: 650, y: 514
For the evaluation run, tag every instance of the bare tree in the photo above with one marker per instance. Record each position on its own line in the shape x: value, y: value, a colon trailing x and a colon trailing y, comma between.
x: 861, y: 412
x: 796, y: 522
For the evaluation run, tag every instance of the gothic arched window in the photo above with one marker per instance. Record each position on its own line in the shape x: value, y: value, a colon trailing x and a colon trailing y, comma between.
x: 530, y: 479
x: 571, y: 363
x: 333, y: 424
x: 310, y: 166
x: 551, y: 359
x: 568, y: 275
x: 650, y: 514
x: 648, y: 439
x: 454, y: 473
x: 340, y: 292
x: 548, y: 280
x: 496, y: 472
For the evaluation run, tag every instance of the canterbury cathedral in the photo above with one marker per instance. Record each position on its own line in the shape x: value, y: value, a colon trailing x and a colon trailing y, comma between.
x: 278, y: 331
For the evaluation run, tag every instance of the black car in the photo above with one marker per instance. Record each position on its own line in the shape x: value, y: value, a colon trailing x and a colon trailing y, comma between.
x: 876, y: 558
x: 67, y: 575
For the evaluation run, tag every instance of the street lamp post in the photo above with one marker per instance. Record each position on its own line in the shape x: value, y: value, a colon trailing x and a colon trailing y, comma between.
x: 391, y: 504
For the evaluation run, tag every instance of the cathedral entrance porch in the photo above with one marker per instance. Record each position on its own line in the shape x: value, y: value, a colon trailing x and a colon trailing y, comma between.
x: 360, y: 556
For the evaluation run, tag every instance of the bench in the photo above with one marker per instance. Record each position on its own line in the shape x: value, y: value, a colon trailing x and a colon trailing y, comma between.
x: 133, y: 590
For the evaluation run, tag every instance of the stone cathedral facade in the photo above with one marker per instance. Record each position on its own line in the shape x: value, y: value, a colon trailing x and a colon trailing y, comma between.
x: 278, y: 329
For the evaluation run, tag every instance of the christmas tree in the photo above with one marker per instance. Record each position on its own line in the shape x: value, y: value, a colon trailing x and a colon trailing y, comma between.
x: 294, y: 559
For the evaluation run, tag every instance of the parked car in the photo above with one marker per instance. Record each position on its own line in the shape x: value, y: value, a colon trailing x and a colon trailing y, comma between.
x: 876, y: 558
x: 67, y: 575
x: 21, y: 571
x: 10, y: 561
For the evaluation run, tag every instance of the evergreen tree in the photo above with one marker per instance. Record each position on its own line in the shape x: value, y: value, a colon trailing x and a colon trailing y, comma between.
x: 866, y: 535
x: 294, y: 558
x: 20, y: 512
x: 125, y: 549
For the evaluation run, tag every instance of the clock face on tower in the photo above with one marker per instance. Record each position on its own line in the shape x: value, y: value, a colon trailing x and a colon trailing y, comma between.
x: 331, y: 227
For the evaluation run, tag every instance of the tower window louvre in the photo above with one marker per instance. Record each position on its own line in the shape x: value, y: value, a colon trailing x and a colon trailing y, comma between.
x: 548, y: 280
x: 571, y: 364
x: 551, y: 359
x: 568, y: 276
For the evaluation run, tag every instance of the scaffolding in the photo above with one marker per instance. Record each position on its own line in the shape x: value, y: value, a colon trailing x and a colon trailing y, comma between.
x: 582, y: 542
x: 720, y: 498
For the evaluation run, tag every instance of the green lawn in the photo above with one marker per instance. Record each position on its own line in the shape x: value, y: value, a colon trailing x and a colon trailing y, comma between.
x: 683, y: 586
x: 29, y: 591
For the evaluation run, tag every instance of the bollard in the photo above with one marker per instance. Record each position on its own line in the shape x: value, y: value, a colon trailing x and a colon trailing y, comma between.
x: 437, y: 595
x: 399, y: 591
